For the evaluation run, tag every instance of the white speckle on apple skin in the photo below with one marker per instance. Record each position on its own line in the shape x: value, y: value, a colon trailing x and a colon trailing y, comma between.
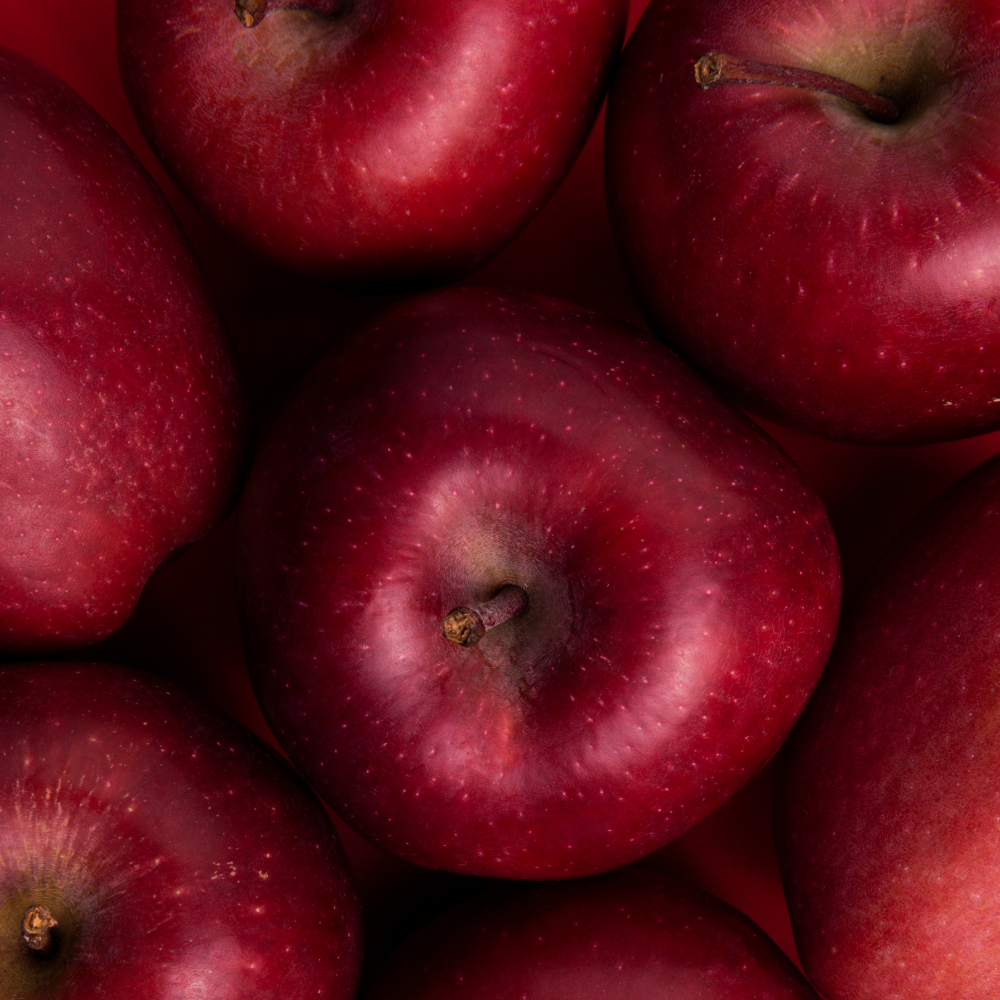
x: 661, y: 554
x: 787, y: 245
x: 396, y: 143
x: 121, y: 413
x: 890, y: 778
x: 160, y: 865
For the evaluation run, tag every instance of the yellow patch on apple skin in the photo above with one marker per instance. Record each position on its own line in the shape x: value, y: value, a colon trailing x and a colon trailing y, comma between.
x: 59, y: 846
x: 289, y: 43
x: 909, y: 53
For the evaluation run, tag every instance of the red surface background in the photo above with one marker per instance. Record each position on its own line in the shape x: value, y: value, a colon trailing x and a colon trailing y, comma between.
x: 185, y: 627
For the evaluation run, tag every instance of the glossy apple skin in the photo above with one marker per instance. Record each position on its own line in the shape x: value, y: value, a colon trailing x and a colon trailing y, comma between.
x: 629, y: 935
x: 400, y: 143
x: 122, y: 415
x: 835, y: 275
x: 683, y: 587
x: 887, y: 821
x: 181, y: 857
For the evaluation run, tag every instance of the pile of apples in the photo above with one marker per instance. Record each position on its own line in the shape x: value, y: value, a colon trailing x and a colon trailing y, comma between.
x: 490, y: 513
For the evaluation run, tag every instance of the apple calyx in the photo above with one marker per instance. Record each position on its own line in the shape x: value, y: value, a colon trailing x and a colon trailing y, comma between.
x: 466, y: 626
x: 36, y: 929
x: 252, y: 12
x: 716, y: 68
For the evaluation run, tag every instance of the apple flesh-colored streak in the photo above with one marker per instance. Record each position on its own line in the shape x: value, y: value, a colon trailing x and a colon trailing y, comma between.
x: 683, y: 587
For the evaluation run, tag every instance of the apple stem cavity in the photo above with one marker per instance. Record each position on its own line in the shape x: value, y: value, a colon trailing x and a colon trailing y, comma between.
x: 716, y: 68
x: 252, y: 12
x: 466, y: 626
x: 36, y: 929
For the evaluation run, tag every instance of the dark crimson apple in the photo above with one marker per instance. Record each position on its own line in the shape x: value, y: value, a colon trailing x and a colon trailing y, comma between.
x: 151, y: 847
x: 382, y: 142
x: 889, y: 813
x: 121, y: 413
x: 831, y: 271
x: 629, y: 935
x: 653, y: 586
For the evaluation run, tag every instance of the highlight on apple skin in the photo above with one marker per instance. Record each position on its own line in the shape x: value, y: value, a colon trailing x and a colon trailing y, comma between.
x: 886, y: 814
x: 378, y: 143
x: 123, y: 418
x: 152, y: 847
x: 628, y: 935
x: 680, y: 587
x: 831, y: 272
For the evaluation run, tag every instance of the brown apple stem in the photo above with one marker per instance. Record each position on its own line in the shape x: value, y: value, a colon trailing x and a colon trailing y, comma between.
x: 252, y: 12
x: 716, y: 68
x: 467, y: 626
x: 36, y: 928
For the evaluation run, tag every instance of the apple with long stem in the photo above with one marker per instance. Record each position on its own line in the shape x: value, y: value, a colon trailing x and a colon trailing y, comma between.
x: 887, y: 821
x: 123, y: 423
x: 629, y: 935
x: 151, y: 847
x: 378, y: 142
x: 806, y: 198
x: 521, y: 595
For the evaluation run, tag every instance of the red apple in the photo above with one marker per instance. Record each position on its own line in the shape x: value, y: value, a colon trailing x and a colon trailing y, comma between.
x: 680, y: 587
x: 888, y: 822
x: 630, y: 935
x: 150, y: 847
x: 381, y: 142
x: 832, y: 272
x: 121, y: 414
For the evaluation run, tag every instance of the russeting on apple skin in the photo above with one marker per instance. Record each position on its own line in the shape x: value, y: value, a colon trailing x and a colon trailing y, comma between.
x: 835, y: 274
x: 629, y: 935
x: 393, y: 143
x: 177, y: 854
x: 122, y: 415
x: 888, y: 820
x: 682, y: 587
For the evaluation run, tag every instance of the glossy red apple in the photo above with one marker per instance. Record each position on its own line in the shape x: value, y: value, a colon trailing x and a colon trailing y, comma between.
x: 679, y: 587
x: 151, y: 847
x: 122, y: 418
x: 889, y: 816
x: 832, y: 272
x: 380, y: 142
x: 630, y: 935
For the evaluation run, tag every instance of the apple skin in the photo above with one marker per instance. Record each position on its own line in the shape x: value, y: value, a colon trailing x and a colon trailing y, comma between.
x: 122, y: 414
x: 887, y: 825
x: 629, y: 935
x: 682, y: 578
x: 835, y: 275
x: 180, y: 856
x: 398, y: 143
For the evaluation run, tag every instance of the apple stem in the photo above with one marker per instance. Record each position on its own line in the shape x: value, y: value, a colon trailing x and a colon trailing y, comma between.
x: 252, y: 12
x: 466, y: 626
x: 36, y: 928
x: 715, y: 68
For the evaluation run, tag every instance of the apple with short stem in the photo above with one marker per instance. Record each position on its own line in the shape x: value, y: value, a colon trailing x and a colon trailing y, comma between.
x: 151, y: 847
x: 122, y: 415
x: 807, y: 199
x: 389, y: 143
x: 641, y: 588
x: 887, y: 822
x: 629, y: 935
